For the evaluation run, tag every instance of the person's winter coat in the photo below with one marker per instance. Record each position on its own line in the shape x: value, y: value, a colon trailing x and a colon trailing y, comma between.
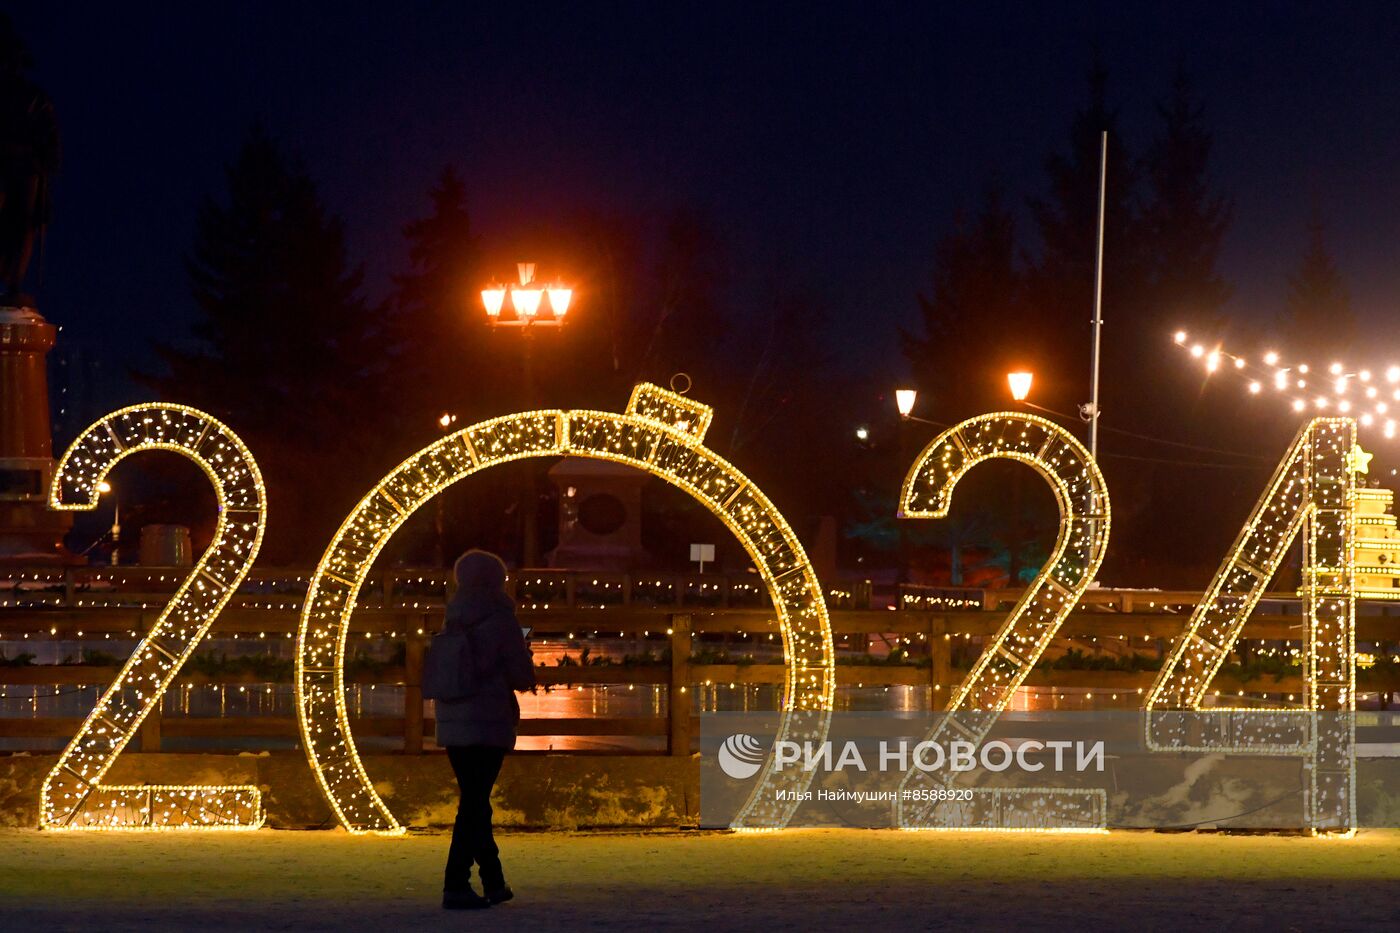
x: 501, y: 659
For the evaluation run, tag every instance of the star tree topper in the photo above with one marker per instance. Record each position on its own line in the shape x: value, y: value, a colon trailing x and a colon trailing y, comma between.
x: 1358, y: 460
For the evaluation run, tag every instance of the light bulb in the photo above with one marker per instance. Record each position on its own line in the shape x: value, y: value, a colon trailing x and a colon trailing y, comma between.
x: 559, y: 299
x: 904, y: 400
x: 526, y: 301
x: 1020, y: 385
x: 493, y: 298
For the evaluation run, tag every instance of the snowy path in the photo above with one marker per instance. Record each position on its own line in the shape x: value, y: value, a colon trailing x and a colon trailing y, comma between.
x: 798, y: 880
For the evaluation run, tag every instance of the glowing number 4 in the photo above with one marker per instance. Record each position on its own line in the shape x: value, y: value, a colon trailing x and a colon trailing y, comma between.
x: 74, y: 794
x: 1082, y: 496
x: 1314, y: 491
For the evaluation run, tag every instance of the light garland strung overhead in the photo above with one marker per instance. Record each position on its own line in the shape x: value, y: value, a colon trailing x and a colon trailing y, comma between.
x: 1370, y: 395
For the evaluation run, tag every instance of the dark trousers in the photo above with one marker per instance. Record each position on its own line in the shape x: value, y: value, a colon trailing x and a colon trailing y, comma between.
x: 476, y: 767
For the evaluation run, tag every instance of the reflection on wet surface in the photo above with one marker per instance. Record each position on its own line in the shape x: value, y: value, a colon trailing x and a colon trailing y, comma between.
x: 621, y: 701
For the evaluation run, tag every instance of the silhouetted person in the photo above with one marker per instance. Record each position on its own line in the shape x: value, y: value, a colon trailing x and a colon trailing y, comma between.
x: 482, y: 638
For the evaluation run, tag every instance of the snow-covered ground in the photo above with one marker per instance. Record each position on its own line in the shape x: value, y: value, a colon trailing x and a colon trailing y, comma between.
x: 810, y: 880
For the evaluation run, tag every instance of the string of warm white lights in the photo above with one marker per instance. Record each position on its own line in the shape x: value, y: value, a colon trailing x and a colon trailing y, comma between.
x: 74, y: 795
x: 1082, y: 496
x: 660, y: 432
x: 1372, y: 396
x: 1313, y: 490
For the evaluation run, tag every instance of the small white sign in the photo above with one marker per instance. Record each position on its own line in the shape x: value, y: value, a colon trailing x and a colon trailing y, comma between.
x: 702, y: 554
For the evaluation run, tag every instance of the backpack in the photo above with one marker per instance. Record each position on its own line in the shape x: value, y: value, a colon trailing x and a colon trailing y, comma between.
x: 449, y: 671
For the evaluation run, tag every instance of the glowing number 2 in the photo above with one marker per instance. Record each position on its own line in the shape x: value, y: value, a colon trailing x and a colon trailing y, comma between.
x: 74, y: 795
x: 1082, y: 496
x: 1314, y: 488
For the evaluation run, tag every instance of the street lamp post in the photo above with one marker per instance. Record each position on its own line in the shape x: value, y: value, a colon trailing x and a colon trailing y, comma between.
x: 904, y: 400
x: 115, y: 532
x: 445, y: 422
x: 526, y: 299
x: 1020, y: 385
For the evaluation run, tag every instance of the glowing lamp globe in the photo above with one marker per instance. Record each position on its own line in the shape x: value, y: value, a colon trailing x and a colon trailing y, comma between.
x: 493, y: 299
x: 1020, y: 384
x: 559, y: 299
x: 526, y: 301
x: 904, y: 401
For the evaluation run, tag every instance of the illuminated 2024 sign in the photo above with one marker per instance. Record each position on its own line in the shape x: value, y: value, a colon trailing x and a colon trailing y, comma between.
x: 663, y: 434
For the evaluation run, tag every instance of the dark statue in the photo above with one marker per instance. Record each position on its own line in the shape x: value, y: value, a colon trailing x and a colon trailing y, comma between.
x: 29, y: 154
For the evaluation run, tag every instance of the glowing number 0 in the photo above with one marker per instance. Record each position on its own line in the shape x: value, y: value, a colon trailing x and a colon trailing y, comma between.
x: 660, y: 432
x: 1314, y: 488
x: 1082, y: 496
x: 74, y: 795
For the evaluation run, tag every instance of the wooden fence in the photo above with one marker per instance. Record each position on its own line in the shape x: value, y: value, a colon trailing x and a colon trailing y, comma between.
x: 75, y: 606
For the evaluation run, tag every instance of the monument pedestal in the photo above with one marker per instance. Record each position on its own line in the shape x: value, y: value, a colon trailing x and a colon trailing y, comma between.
x: 600, y: 515
x: 29, y: 531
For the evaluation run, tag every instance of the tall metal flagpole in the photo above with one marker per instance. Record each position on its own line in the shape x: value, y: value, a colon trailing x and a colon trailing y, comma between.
x: 1098, y: 303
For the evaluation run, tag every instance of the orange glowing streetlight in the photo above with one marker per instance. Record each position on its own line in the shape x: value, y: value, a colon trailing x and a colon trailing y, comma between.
x: 904, y: 400
x: 525, y: 300
x: 1020, y: 384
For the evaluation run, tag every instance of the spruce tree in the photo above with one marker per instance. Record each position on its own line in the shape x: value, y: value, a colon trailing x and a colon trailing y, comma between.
x: 1319, y: 320
x: 284, y: 347
x: 976, y: 301
x: 1184, y: 221
x: 1060, y: 283
x: 442, y: 359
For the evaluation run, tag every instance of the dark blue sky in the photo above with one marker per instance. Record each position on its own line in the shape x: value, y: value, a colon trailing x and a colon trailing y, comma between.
x: 833, y: 145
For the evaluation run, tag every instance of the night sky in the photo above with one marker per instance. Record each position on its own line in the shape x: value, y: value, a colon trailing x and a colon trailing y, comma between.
x: 833, y: 147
